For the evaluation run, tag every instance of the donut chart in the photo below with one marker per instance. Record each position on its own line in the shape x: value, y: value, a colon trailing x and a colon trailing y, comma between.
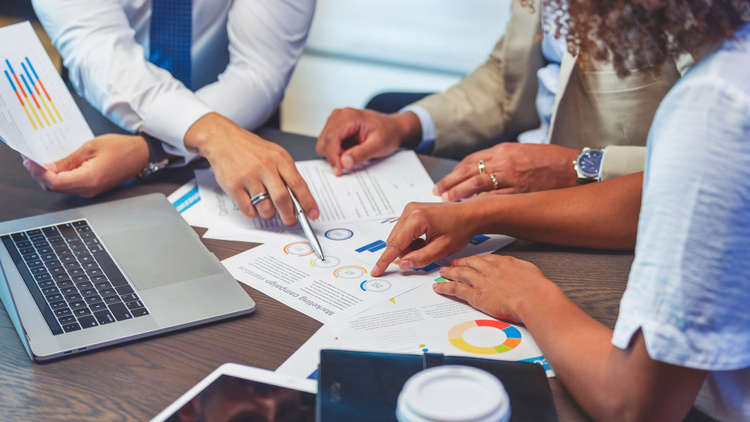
x: 512, y: 340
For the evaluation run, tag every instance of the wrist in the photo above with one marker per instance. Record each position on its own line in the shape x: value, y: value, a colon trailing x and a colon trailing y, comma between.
x: 410, y: 129
x: 207, y: 134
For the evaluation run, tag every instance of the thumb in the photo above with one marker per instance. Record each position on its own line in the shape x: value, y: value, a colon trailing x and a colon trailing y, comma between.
x: 72, y: 161
x: 362, y: 152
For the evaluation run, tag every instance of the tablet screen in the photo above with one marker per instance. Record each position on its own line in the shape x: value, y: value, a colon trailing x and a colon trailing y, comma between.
x: 232, y: 399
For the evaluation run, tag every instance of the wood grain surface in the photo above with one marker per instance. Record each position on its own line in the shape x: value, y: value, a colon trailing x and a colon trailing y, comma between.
x: 134, y: 381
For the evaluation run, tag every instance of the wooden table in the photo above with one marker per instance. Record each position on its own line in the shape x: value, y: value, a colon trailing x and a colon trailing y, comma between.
x: 136, y: 380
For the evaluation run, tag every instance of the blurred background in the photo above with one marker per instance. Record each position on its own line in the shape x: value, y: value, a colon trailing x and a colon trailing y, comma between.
x: 360, y: 48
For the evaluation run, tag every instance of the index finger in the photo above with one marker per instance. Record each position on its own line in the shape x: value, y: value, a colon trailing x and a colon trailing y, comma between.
x: 401, y: 237
x: 463, y: 171
x: 297, y: 184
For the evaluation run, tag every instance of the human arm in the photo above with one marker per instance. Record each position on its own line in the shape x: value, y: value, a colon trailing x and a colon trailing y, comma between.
x: 518, y: 167
x: 98, y: 165
x: 609, y: 383
x: 599, y: 215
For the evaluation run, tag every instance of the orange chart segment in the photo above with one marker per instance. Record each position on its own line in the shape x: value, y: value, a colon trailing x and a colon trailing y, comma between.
x: 512, y: 337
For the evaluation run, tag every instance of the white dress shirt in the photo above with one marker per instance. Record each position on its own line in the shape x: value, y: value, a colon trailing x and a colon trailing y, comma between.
x: 243, y: 54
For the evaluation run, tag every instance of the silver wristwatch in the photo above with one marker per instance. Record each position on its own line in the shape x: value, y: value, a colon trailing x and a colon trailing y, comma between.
x: 588, y: 165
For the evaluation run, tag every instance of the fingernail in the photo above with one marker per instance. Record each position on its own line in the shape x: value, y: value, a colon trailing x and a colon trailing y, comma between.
x: 347, y: 162
x: 51, y: 167
x: 444, y: 197
x: 313, y: 214
x: 443, y: 269
x: 435, y: 190
x: 407, y: 265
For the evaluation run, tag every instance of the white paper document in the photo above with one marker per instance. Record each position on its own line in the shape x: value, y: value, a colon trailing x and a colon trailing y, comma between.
x: 38, y: 116
x: 340, y: 286
x: 377, y: 190
x: 416, y: 322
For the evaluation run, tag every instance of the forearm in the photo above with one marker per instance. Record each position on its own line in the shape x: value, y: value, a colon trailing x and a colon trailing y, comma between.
x: 598, y: 215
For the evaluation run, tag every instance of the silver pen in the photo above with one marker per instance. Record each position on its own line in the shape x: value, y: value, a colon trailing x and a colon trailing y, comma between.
x: 306, y: 227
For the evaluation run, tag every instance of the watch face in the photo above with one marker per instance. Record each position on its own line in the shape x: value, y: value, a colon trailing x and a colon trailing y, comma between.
x: 590, y: 161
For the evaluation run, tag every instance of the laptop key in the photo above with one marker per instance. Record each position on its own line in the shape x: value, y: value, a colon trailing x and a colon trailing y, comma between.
x: 50, y: 231
x: 30, y: 257
x: 25, y: 251
x: 91, y: 300
x: 37, y: 237
x: 120, y: 311
x: 88, y: 292
x: 77, y: 305
x: 85, y: 285
x: 140, y: 312
x: 54, y: 297
x: 124, y: 290
x: 61, y: 277
x: 42, y: 277
x: 75, y: 297
x: 57, y: 271
x: 129, y: 297
x: 112, y: 300
x: 102, y: 284
x: 108, y: 292
x: 58, y: 305
x: 34, y: 263
x: 24, y: 244
x: 100, y: 279
x: 110, y: 269
x: 45, y: 250
x: 34, y: 232
x: 45, y: 284
x: 63, y: 312
x: 50, y: 290
x: 104, y: 317
x: 80, y: 313
x: 134, y: 304
x: 62, y: 284
x: 67, y: 320
x: 98, y: 307
x: 55, y: 240
x: 68, y: 290
x: 80, y: 279
x: 88, y: 321
x: 38, y: 270
x: 19, y: 237
x: 71, y: 327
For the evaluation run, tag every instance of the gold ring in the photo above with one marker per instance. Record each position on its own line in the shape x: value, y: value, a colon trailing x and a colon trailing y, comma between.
x: 495, y: 182
x: 481, y: 166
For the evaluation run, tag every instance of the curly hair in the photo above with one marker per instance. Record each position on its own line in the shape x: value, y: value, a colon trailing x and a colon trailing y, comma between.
x: 643, y: 34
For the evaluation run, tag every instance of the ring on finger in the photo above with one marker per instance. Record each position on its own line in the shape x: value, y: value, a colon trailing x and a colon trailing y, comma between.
x: 495, y: 182
x: 481, y: 166
x: 259, y: 197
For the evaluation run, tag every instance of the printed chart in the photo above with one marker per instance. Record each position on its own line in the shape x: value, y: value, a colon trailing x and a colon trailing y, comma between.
x: 511, y: 333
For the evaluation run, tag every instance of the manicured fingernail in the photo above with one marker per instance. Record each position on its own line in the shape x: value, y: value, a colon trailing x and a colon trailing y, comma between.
x: 347, y: 162
x: 313, y: 213
x: 444, y: 197
x: 443, y: 269
x: 406, y: 265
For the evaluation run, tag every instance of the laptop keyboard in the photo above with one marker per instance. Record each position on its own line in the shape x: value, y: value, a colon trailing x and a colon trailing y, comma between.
x: 73, y: 279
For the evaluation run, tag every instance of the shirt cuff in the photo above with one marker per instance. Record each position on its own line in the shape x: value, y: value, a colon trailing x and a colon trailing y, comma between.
x: 172, y: 115
x: 428, y: 128
x: 621, y: 160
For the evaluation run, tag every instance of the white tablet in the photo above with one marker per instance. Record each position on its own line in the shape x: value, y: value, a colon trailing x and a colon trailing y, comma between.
x: 238, y: 393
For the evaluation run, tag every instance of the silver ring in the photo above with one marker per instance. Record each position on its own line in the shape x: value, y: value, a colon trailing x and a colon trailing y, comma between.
x: 495, y: 182
x: 259, y: 197
x: 481, y: 166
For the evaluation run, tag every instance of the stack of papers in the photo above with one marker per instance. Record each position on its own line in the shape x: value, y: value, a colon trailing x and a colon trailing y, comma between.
x: 397, y: 312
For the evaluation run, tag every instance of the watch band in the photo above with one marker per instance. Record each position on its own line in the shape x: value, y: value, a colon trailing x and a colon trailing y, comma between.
x: 157, y: 157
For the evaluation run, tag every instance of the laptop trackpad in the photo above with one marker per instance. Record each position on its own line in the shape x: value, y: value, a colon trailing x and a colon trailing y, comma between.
x: 160, y: 255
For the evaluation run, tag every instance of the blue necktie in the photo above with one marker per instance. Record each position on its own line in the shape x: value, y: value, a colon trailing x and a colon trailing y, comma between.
x: 171, y: 35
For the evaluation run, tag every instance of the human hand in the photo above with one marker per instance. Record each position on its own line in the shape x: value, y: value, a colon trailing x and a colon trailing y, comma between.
x: 246, y: 165
x: 373, y: 135
x: 497, y: 285
x: 517, y: 167
x: 447, y: 228
x: 98, y: 165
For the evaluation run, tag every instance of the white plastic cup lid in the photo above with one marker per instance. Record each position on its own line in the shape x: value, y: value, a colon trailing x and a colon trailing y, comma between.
x: 453, y: 393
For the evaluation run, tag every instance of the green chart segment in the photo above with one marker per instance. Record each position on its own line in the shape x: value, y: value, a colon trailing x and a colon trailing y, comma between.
x: 512, y: 337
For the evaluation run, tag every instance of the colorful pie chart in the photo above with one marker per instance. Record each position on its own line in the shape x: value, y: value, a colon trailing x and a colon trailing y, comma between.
x: 512, y: 337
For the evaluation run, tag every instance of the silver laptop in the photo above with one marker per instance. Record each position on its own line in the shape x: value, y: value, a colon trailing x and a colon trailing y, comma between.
x: 94, y: 276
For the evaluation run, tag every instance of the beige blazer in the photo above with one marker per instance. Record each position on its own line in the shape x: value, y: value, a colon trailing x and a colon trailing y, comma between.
x: 593, y: 107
